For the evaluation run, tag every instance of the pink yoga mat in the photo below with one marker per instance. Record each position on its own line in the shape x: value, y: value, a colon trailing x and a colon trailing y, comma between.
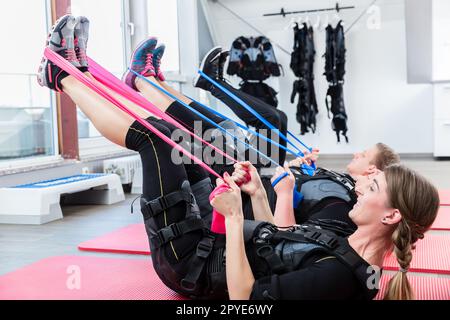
x: 431, y: 256
x: 444, y: 195
x: 130, y: 240
x: 442, y: 221
x: 133, y: 239
x: 130, y: 279
x: 425, y: 288
x: 85, y: 278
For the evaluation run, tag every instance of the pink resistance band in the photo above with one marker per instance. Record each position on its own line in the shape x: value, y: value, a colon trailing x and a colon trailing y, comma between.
x: 106, y: 78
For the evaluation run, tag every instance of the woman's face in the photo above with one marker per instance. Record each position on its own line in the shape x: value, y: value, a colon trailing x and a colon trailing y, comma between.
x: 372, y: 205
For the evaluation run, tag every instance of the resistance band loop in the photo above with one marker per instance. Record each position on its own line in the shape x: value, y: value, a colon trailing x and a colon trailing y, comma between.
x: 256, y: 114
x: 202, y: 116
x: 72, y: 70
x: 109, y: 80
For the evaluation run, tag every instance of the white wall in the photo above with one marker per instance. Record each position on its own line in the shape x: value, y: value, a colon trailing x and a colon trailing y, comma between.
x: 380, y: 104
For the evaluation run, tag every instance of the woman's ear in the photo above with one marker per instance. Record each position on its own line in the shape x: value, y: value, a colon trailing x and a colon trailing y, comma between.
x: 392, y: 217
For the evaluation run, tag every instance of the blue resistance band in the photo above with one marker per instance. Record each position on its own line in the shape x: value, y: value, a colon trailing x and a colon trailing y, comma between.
x: 205, y: 118
x: 309, y: 170
x: 224, y: 117
x: 256, y: 114
x: 298, y: 196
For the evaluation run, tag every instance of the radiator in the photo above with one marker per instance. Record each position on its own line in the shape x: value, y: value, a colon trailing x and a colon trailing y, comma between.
x: 125, y: 167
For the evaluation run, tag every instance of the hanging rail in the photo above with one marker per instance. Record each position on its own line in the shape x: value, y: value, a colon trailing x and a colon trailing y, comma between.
x: 283, y: 13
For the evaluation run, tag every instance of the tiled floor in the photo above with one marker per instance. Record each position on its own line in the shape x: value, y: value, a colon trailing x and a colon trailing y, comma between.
x: 22, y: 245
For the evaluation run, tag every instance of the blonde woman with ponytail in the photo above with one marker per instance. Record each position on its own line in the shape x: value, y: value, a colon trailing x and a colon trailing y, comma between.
x: 394, y: 210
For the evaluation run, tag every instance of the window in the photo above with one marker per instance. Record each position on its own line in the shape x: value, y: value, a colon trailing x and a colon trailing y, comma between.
x: 106, y: 45
x: 163, y: 24
x: 27, y: 113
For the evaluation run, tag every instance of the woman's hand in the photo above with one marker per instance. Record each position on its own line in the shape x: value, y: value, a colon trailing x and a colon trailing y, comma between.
x: 240, y: 176
x: 308, y: 159
x: 287, y: 184
x: 228, y: 203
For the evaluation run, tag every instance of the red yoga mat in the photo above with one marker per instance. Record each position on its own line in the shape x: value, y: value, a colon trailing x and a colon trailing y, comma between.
x: 425, y: 288
x: 85, y: 278
x: 431, y: 256
x: 442, y: 221
x: 130, y: 279
x: 130, y: 240
x: 133, y: 239
x: 444, y: 195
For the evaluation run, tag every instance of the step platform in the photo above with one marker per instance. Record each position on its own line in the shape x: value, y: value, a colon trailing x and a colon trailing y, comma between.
x: 39, y: 203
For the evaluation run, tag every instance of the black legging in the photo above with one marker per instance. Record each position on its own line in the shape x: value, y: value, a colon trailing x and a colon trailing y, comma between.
x: 160, y: 178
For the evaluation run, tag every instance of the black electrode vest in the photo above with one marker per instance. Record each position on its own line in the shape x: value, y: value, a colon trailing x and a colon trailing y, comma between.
x: 334, y: 71
x: 253, y: 59
x: 302, y: 64
x: 280, y: 252
x: 324, y: 184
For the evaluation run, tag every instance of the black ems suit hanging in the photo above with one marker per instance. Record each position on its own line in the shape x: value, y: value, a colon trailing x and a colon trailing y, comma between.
x: 302, y: 64
x: 335, y: 71
x: 253, y: 60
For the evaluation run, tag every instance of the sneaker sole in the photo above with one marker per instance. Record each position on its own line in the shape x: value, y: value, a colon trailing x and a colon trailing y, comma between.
x: 202, y: 65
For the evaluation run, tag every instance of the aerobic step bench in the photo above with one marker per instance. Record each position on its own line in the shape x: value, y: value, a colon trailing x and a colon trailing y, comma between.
x: 39, y: 202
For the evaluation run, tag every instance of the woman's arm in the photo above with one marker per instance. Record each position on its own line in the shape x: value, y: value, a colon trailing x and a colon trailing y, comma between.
x: 261, y: 207
x: 255, y: 189
x: 240, y: 277
x: 284, y: 209
x: 309, y: 159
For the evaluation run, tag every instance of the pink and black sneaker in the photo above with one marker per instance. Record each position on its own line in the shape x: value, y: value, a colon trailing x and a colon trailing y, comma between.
x: 61, y: 41
x: 141, y: 62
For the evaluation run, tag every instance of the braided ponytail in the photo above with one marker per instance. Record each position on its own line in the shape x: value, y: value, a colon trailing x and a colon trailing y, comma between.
x: 399, y: 286
x: 418, y: 202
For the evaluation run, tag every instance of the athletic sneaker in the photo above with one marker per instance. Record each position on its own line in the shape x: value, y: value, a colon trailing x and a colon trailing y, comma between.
x: 209, y: 66
x: 81, y: 39
x: 158, y: 53
x: 222, y: 60
x: 60, y: 40
x: 141, y: 62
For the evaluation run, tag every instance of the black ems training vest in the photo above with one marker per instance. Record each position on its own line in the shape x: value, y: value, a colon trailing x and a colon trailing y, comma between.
x: 323, y: 185
x: 253, y: 60
x: 280, y: 252
x: 334, y: 71
x: 302, y: 64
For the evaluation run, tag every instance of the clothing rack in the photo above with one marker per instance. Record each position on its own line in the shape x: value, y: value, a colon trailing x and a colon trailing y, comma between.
x: 283, y: 13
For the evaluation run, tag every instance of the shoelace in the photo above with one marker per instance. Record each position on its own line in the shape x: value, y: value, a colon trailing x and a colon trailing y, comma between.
x: 149, y: 67
x: 71, y: 55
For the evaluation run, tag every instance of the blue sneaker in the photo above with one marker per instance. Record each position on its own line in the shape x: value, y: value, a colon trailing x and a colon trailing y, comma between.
x: 157, y: 56
x: 141, y: 61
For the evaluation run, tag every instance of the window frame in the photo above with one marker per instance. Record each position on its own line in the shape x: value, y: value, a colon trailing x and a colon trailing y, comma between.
x: 14, y: 163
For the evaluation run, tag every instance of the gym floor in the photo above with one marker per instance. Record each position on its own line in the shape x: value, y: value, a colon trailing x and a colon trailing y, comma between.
x: 22, y: 245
